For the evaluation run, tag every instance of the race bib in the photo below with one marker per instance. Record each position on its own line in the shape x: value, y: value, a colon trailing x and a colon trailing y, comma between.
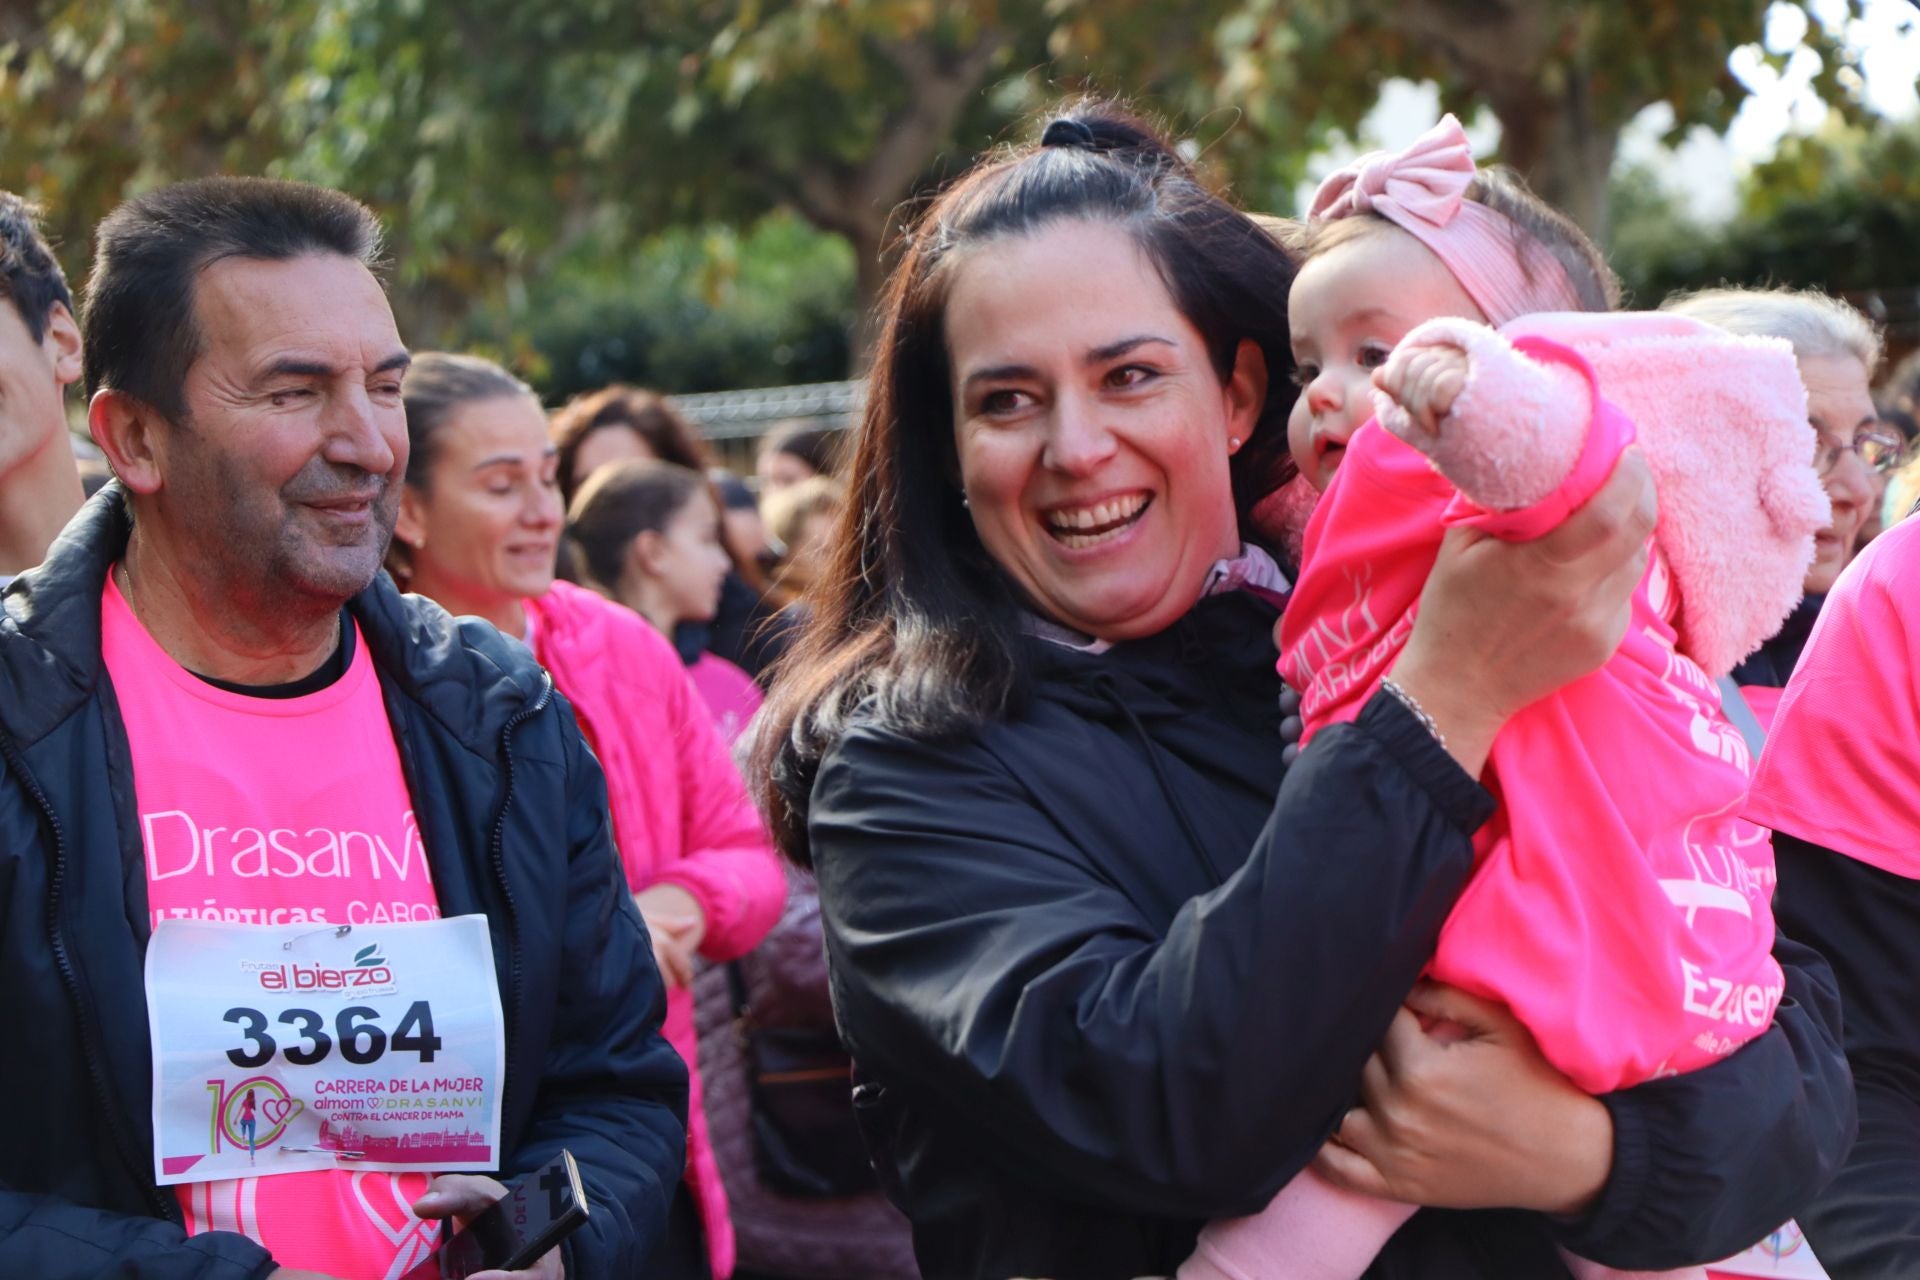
x: 1784, y: 1253
x: 280, y: 1049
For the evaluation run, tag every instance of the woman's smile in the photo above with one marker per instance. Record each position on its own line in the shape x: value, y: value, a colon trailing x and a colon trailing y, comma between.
x: 1093, y: 429
x: 1081, y: 526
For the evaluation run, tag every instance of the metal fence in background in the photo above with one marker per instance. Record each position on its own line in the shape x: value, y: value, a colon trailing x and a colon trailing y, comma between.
x: 734, y: 421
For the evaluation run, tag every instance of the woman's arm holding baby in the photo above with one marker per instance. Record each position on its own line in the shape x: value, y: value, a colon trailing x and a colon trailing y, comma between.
x: 1459, y: 1109
x: 1675, y: 1172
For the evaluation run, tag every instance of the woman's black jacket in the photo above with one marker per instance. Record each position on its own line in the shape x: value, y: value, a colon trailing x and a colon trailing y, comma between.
x: 1101, y: 986
x: 1772, y: 663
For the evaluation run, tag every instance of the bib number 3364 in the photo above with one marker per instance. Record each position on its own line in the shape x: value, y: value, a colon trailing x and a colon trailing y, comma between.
x: 356, y: 1034
x: 280, y: 1049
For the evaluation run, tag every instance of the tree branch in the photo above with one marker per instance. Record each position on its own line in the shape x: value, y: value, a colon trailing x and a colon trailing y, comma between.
x: 938, y: 88
x: 856, y: 201
x: 1488, y: 40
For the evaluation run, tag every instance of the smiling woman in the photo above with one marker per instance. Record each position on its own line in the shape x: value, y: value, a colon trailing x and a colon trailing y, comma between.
x: 478, y: 528
x: 1107, y: 965
x: 480, y: 517
x: 1093, y: 429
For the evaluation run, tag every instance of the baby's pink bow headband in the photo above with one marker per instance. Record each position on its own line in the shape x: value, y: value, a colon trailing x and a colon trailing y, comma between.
x: 1422, y: 190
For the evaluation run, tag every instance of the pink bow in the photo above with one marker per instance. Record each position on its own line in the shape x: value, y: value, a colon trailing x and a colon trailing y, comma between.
x: 1423, y: 191
x: 1427, y: 180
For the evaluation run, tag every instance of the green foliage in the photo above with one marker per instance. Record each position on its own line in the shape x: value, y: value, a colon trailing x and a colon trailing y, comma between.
x: 528, y: 158
x: 697, y: 309
x: 1561, y: 76
x: 1839, y: 211
x: 102, y: 101
x: 1657, y: 246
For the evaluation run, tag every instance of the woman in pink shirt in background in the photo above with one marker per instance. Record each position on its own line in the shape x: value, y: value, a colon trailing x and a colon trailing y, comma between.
x: 649, y: 535
x: 479, y: 526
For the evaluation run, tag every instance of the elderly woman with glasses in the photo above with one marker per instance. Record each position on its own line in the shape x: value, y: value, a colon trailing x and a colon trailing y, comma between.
x: 1837, y: 349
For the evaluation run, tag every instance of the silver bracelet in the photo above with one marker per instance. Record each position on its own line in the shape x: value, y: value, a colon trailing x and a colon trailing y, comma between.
x: 1406, y: 700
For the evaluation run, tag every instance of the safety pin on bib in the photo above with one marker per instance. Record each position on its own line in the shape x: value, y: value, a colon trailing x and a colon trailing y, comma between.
x: 337, y: 930
x: 324, y: 1151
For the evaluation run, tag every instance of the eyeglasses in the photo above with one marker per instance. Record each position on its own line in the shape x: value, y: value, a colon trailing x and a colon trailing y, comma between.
x: 1877, y: 451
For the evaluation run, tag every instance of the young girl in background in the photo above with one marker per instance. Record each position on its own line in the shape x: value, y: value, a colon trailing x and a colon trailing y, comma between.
x: 1619, y: 905
x: 650, y: 535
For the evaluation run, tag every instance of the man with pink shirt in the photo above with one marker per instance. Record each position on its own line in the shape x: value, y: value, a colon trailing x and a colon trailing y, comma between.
x: 311, y: 918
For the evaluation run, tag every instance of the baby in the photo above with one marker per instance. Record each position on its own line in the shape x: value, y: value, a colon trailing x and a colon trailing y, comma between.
x: 1458, y: 366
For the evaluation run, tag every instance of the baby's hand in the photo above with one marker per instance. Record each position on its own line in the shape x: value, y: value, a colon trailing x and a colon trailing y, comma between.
x: 1424, y: 381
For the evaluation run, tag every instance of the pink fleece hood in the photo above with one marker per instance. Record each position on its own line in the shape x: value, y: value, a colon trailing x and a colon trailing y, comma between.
x: 1721, y: 419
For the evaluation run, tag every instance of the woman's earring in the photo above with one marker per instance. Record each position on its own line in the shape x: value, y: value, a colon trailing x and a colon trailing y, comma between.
x: 966, y: 502
x: 1233, y: 444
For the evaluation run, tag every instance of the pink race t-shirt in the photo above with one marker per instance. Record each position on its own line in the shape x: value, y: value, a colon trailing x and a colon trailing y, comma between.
x: 1620, y: 905
x: 1764, y: 702
x: 730, y: 694
x: 1832, y: 773
x: 275, y: 811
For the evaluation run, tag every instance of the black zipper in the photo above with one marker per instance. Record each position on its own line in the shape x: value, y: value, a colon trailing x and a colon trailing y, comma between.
x: 163, y: 1205
x: 500, y: 872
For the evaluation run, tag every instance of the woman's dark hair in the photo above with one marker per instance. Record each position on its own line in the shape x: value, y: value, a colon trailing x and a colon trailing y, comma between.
x: 912, y: 619
x: 436, y: 384
x: 818, y: 447
x: 732, y: 491
x: 620, y: 502
x: 1901, y: 390
x: 647, y: 414
x: 139, y: 334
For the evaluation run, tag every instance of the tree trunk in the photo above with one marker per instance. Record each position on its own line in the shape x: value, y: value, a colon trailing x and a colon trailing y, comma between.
x: 1561, y: 150
x: 864, y: 224
x: 872, y: 264
x: 1557, y: 138
x: 858, y: 202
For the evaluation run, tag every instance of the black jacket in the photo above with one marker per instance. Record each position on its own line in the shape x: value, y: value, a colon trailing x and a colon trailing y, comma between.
x: 1866, y: 1225
x: 513, y: 812
x: 746, y: 630
x: 1102, y: 986
x: 1772, y: 663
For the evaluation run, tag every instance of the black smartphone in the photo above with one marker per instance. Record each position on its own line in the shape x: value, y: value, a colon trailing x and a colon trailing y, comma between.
x: 522, y: 1225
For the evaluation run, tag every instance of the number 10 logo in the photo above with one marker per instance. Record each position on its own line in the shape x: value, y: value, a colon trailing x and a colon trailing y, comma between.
x: 253, y: 1115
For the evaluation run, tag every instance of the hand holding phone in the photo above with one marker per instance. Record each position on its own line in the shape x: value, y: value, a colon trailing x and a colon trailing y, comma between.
x: 517, y: 1230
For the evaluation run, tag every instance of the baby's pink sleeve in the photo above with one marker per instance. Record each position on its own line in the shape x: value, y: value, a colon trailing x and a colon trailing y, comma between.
x: 1527, y: 442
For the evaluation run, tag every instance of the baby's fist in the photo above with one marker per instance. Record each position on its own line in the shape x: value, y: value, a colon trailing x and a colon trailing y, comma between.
x: 1424, y: 381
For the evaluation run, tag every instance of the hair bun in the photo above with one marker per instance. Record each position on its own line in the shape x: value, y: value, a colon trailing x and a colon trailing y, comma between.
x: 1106, y: 128
x: 1067, y: 131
